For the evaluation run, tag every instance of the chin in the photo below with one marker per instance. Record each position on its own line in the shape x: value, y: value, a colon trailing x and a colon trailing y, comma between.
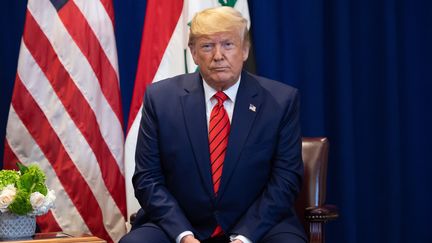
x: 224, y: 84
x: 223, y: 77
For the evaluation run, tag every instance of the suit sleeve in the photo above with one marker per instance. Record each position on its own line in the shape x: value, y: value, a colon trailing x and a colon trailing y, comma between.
x: 148, y: 180
x: 276, y: 201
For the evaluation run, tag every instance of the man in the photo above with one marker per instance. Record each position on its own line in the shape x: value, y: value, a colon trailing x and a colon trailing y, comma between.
x: 219, y: 151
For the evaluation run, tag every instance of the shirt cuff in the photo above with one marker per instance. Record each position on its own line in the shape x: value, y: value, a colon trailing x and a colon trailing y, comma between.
x: 240, y: 237
x: 183, y: 234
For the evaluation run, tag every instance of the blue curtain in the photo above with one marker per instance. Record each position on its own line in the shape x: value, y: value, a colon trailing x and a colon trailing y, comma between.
x: 11, y: 27
x: 363, y: 68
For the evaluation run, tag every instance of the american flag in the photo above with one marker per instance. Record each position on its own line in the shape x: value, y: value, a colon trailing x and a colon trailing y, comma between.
x: 66, y: 114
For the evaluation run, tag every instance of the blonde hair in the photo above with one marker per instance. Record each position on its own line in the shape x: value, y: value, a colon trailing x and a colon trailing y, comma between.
x: 219, y: 19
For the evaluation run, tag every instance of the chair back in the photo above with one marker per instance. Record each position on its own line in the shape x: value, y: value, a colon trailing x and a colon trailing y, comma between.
x: 313, y: 192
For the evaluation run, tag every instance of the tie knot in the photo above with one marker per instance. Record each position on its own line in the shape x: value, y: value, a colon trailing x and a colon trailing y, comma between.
x: 221, y: 97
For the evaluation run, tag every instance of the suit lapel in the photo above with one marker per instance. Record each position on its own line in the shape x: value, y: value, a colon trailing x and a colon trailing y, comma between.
x: 193, y: 103
x: 243, y: 117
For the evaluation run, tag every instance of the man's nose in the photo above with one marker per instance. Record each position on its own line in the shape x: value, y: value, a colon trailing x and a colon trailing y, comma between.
x: 218, y: 54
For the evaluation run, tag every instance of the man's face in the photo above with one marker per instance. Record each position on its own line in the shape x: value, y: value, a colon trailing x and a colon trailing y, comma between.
x: 220, y: 58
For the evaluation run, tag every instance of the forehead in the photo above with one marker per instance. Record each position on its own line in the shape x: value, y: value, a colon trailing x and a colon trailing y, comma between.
x: 220, y: 36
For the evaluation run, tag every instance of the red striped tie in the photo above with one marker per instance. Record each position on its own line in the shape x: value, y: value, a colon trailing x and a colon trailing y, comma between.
x: 218, y: 139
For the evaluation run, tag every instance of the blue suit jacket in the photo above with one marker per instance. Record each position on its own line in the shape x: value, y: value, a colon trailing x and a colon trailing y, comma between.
x: 262, y: 170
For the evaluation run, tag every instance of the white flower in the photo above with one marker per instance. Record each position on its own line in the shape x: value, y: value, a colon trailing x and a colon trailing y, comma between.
x: 36, y: 200
x: 40, y: 203
x: 49, y: 199
x: 7, y: 195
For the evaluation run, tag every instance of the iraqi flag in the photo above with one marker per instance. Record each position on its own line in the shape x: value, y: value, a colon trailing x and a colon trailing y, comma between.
x: 65, y: 115
x: 164, y: 53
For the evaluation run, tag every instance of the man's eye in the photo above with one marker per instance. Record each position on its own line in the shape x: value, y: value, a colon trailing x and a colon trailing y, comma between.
x: 206, y: 47
x: 228, y: 45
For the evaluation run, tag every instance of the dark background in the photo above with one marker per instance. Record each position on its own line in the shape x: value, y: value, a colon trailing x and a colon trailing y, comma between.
x: 364, y: 69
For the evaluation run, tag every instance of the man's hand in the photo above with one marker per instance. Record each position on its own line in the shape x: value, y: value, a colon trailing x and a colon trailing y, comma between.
x: 190, y: 239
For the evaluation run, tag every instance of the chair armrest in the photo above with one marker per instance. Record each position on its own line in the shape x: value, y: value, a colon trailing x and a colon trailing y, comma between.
x: 321, y: 214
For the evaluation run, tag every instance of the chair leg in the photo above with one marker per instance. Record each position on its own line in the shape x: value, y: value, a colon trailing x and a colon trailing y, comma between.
x: 316, y: 232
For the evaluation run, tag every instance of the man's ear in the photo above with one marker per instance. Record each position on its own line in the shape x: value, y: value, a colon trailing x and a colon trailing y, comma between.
x: 246, y: 47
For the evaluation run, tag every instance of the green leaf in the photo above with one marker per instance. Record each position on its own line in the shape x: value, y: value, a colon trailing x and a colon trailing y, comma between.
x: 40, y: 187
x: 21, y: 167
x: 30, y: 180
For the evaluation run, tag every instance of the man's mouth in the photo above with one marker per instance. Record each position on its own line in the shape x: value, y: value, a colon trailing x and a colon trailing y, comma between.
x: 218, y: 69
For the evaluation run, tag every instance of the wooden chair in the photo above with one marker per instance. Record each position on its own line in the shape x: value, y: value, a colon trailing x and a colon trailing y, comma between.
x: 310, y: 205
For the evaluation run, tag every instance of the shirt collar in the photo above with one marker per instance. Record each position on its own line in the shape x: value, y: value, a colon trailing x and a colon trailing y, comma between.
x: 231, y: 92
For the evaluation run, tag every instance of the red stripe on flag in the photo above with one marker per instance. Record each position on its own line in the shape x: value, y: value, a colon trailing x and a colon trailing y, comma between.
x: 47, y: 223
x: 10, y: 158
x: 44, y: 135
x: 77, y: 107
x: 84, y: 37
x: 160, y: 21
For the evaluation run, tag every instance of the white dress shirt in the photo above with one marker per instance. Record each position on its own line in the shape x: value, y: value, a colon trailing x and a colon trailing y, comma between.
x: 231, y: 92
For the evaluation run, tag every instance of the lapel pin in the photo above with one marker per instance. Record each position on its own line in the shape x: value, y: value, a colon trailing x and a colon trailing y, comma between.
x: 252, y: 107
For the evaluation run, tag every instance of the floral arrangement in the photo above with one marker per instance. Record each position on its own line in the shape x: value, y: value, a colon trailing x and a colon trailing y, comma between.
x: 24, y: 192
